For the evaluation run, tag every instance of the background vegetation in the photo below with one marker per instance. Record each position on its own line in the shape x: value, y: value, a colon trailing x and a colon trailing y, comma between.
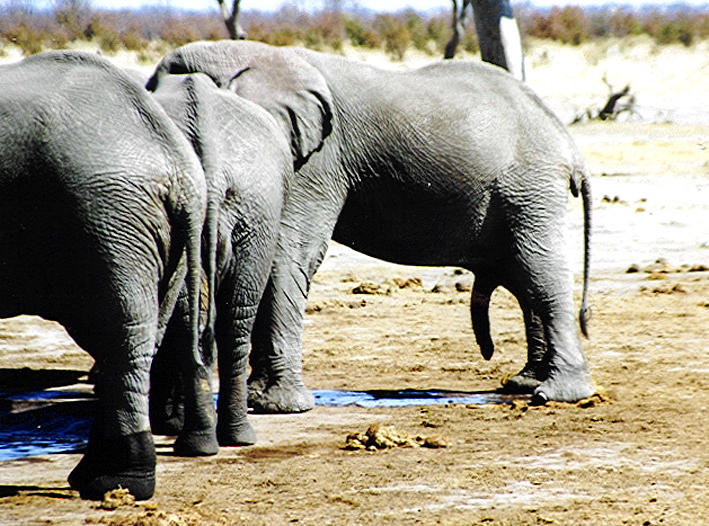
x: 151, y: 32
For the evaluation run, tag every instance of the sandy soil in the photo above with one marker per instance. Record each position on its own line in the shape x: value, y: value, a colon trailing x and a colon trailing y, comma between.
x: 637, y: 456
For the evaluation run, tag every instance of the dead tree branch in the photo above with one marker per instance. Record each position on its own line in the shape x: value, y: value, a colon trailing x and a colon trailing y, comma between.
x: 609, y: 111
x: 613, y: 107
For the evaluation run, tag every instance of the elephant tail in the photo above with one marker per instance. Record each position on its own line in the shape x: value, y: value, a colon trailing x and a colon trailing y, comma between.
x: 479, y: 316
x: 210, y: 236
x: 184, y: 268
x: 194, y: 282
x: 585, y: 311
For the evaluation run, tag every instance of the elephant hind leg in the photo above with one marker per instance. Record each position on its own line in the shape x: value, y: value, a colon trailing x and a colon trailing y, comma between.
x: 536, y: 370
x: 538, y: 275
x: 119, y: 327
x: 120, y: 450
x: 124, y: 461
x: 568, y: 378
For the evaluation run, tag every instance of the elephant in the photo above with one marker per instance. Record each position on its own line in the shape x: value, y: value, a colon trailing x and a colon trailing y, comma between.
x: 453, y: 164
x: 498, y: 34
x: 247, y: 163
x: 102, y: 203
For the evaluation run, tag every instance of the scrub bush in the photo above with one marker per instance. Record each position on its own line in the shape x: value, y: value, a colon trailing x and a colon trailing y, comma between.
x: 33, y: 30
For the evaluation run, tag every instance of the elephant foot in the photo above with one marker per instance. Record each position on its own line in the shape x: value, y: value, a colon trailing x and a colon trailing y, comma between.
x: 280, y: 398
x: 240, y: 433
x: 524, y: 382
x: 199, y: 443
x: 128, y: 462
x: 567, y: 387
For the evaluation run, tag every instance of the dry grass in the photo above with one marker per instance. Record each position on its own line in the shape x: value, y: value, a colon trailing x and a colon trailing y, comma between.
x: 146, y: 30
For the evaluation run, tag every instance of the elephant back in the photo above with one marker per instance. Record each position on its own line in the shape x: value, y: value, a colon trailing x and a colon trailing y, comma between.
x: 85, y: 149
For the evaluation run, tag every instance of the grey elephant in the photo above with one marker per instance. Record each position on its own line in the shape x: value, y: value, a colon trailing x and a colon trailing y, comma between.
x: 102, y: 202
x: 456, y: 163
x: 247, y: 164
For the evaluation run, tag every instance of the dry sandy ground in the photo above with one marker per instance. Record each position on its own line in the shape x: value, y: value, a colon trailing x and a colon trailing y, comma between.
x: 638, y: 457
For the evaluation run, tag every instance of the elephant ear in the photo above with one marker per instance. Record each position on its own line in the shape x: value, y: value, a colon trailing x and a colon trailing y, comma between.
x: 294, y: 93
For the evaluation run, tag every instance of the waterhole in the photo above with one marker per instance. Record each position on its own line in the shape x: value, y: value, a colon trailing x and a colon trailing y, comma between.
x: 58, y: 421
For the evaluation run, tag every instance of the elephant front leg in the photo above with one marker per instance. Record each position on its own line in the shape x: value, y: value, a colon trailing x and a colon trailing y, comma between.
x: 167, y: 401
x: 276, y: 382
x: 233, y: 426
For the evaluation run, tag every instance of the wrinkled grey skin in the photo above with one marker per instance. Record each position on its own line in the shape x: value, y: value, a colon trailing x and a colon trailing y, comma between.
x: 247, y: 164
x: 101, y: 206
x: 456, y: 163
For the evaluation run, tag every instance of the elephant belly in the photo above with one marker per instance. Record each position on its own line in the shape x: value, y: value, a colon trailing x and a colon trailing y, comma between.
x: 415, y: 224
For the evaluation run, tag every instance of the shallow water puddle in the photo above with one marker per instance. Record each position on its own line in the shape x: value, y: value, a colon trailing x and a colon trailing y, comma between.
x: 55, y: 421
x: 409, y: 397
x: 43, y: 422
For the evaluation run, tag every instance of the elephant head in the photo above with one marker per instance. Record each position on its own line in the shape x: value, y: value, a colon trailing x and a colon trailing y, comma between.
x: 290, y: 89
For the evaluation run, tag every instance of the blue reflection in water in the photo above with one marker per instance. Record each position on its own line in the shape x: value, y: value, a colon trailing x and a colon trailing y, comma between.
x: 39, y: 429
x: 407, y: 397
x: 58, y: 434
x: 63, y: 424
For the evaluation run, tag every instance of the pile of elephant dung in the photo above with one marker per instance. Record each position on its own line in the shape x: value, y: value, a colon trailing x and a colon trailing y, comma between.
x: 389, y: 286
x: 128, y: 512
x: 151, y: 518
x: 367, y: 287
x: 662, y: 266
x: 378, y: 436
x: 117, y: 498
